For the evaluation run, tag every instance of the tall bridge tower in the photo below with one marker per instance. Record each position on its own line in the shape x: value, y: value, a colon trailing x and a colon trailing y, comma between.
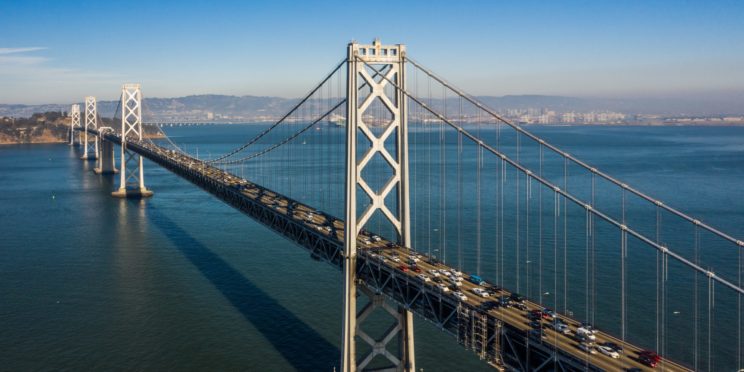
x: 132, y: 180
x: 362, y: 138
x: 74, y: 122
x: 90, y: 150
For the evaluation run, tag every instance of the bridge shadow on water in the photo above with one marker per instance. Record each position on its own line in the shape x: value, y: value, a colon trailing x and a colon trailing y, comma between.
x: 304, y: 348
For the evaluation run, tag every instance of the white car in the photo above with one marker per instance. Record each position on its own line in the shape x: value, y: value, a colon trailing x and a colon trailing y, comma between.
x: 587, y: 348
x: 443, y: 287
x: 424, y: 277
x: 457, y: 283
x: 396, y: 259
x: 414, y: 258
x: 481, y: 292
x: 460, y: 296
x: 586, y: 334
x: 376, y: 238
x: 606, y: 350
x: 456, y: 273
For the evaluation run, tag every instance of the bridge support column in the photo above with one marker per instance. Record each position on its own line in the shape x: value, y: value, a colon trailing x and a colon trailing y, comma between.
x: 90, y: 150
x: 132, y: 181
x: 390, y: 59
x: 106, y: 160
x: 74, y: 122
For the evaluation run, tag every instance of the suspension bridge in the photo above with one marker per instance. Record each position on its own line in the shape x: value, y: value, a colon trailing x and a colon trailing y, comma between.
x: 433, y: 205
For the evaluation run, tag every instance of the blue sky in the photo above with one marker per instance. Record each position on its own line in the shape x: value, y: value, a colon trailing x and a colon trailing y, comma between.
x: 60, y: 51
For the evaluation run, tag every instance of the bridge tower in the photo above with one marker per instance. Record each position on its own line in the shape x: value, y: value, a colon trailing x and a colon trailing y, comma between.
x: 90, y: 150
x: 74, y: 122
x: 132, y: 181
x: 390, y: 59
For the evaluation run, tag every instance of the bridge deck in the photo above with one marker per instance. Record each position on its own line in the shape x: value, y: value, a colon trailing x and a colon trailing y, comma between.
x: 323, y: 235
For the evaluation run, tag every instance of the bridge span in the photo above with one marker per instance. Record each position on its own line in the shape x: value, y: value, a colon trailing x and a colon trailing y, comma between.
x: 501, y: 336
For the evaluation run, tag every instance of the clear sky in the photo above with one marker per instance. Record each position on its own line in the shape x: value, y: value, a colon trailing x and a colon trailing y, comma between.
x: 60, y: 51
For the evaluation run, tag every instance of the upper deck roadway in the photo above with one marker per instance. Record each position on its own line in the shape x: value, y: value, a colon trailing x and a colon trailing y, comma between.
x: 380, y: 270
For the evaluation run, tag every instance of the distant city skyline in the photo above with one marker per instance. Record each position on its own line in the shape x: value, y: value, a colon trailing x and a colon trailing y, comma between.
x: 58, y: 52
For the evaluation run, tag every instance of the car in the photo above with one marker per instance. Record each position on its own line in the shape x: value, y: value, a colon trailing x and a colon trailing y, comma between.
x: 649, y: 355
x: 504, y: 301
x: 521, y: 306
x: 537, y: 333
x: 456, y: 273
x: 548, y: 314
x: 587, y: 347
x: 648, y: 361
x: 489, y: 305
x: 589, y: 327
x: 535, y: 314
x: 475, y: 279
x: 559, y: 327
x: 610, y: 352
x: 415, y: 268
x: 585, y: 334
x: 480, y: 292
x: 535, y: 324
x: 434, y: 273
x: 414, y: 258
x: 424, y: 277
x: 456, y: 283
x: 403, y: 268
x: 437, y: 280
x: 493, y: 290
x: 376, y: 238
x: 516, y: 297
x: 442, y: 287
x: 411, y: 262
x: 613, y: 346
x: 395, y: 259
x: 460, y: 296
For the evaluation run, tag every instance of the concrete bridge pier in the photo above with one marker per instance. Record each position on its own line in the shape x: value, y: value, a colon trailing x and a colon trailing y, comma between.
x: 106, y: 161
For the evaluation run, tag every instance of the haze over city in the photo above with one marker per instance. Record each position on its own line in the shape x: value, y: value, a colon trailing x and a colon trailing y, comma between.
x: 53, y: 51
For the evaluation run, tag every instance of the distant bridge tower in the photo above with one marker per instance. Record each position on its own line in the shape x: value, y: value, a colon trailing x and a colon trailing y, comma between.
x: 90, y: 151
x: 132, y: 181
x: 74, y: 122
x: 390, y: 59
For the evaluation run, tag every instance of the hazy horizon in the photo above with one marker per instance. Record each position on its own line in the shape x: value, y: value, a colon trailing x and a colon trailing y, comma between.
x: 56, y: 53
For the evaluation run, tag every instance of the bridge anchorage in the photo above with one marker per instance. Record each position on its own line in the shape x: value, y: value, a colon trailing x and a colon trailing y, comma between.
x: 90, y: 148
x: 75, y: 124
x: 132, y: 171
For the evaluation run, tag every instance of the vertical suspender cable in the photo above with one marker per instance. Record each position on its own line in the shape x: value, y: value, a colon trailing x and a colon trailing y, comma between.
x: 593, y: 254
x: 479, y: 154
x: 623, y: 252
x: 540, y: 226
x: 428, y: 175
x: 711, y: 306
x: 442, y: 181
x: 565, y: 236
x: 528, y: 261
x: 516, y: 211
x: 459, y: 198
x: 695, y: 301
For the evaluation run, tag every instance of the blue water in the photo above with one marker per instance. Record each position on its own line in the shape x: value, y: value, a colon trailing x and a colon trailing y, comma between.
x: 183, y: 282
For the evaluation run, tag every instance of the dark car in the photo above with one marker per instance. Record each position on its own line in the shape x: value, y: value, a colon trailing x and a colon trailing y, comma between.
x: 536, y: 324
x: 493, y: 290
x: 648, y: 361
x: 489, y: 305
x: 535, y: 314
x: 436, y: 279
x: 537, y: 333
x: 504, y: 301
x: 517, y: 297
x: 614, y: 346
x: 415, y: 268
